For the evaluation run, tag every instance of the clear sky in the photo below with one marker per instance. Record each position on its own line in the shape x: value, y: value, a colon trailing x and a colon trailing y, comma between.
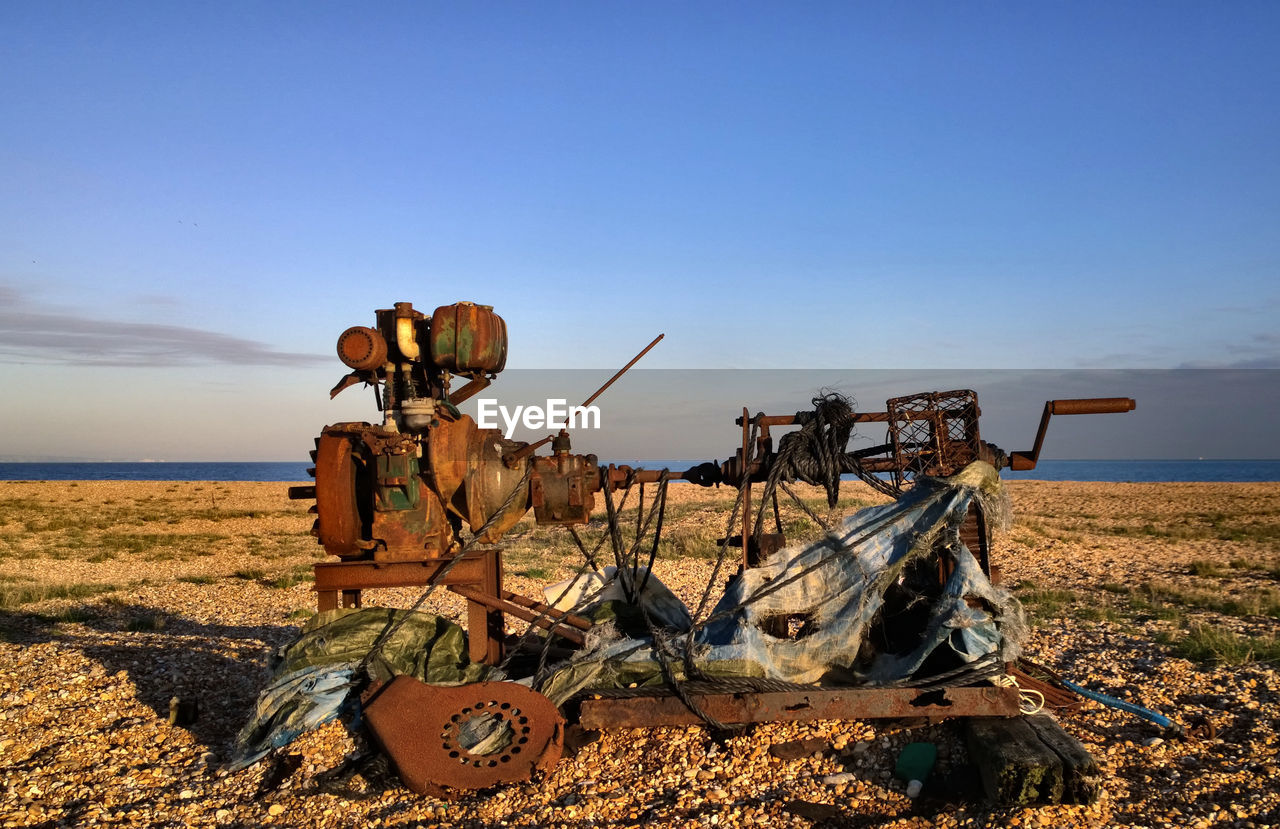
x: 195, y: 199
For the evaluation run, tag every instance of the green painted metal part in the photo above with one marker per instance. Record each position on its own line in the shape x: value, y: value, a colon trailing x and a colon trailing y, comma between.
x: 468, y: 338
x: 398, y: 483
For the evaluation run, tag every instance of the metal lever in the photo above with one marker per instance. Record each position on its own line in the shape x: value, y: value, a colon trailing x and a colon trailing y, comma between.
x: 1022, y: 461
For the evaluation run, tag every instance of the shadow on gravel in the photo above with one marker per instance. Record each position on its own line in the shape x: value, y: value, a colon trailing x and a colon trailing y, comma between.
x: 220, y: 668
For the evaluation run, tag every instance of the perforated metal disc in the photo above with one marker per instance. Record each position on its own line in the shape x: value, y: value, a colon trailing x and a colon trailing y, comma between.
x: 467, y: 736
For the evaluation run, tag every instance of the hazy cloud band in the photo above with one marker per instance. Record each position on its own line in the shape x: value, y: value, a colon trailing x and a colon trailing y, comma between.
x: 68, y: 339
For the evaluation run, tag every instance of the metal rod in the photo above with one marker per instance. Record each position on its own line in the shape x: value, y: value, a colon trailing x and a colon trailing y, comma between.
x: 514, y: 458
x: 746, y: 488
x: 622, y: 371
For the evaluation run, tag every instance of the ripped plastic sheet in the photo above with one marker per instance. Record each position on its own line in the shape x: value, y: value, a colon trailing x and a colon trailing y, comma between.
x: 315, y: 674
x: 838, y: 586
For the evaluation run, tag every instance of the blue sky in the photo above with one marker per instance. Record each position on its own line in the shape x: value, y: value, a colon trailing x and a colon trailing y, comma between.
x: 197, y: 198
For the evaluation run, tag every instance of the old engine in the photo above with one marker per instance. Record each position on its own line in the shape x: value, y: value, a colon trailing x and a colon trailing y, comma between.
x: 403, y: 489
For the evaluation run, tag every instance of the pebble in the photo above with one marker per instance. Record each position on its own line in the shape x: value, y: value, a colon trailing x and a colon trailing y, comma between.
x: 84, y: 706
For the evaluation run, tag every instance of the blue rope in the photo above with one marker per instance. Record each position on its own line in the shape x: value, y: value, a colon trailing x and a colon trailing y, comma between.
x: 1145, y: 713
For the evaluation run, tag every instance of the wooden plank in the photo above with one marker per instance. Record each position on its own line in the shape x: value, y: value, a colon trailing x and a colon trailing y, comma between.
x: 1031, y: 759
x: 1081, y: 778
x: 1016, y: 767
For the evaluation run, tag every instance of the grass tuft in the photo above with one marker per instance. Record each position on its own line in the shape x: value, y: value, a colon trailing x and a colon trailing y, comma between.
x: 17, y: 595
x: 536, y: 573
x: 1159, y: 595
x: 146, y: 623
x: 298, y: 575
x: 1207, y: 569
x: 1210, y: 644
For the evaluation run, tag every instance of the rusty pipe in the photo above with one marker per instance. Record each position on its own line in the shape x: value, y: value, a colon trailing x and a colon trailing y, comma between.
x: 405, y: 340
x: 1092, y: 405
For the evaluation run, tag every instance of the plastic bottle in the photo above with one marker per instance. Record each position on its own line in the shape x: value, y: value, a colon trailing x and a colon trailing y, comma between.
x: 914, y: 764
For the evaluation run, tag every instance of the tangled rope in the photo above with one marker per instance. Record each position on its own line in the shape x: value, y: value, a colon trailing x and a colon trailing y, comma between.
x: 814, y: 453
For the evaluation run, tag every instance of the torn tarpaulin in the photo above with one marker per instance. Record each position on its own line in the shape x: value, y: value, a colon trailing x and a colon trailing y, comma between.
x: 868, y: 597
x: 315, y: 674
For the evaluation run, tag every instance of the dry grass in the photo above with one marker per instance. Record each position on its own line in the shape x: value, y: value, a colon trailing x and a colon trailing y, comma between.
x: 1185, y: 555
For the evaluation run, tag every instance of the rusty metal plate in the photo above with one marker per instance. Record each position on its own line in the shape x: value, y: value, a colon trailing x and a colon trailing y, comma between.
x: 801, y: 706
x: 425, y: 731
x: 339, y: 525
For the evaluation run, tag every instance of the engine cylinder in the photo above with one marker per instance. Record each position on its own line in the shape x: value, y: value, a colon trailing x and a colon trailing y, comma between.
x: 362, y: 349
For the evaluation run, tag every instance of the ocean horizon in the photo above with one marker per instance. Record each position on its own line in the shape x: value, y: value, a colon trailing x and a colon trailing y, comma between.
x: 1145, y: 471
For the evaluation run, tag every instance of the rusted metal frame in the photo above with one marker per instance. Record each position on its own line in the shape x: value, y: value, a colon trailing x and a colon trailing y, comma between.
x: 869, y: 464
x: 557, y: 615
x: 486, y: 628
x: 343, y: 575
x: 790, y: 420
x: 339, y: 598
x: 800, y: 706
x: 504, y: 606
x: 342, y: 581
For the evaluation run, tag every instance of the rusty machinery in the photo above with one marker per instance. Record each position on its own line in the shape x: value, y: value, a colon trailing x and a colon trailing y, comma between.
x: 391, y: 501
x: 392, y: 498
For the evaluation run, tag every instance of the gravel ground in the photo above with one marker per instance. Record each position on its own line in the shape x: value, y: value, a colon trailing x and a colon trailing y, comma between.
x: 200, y: 583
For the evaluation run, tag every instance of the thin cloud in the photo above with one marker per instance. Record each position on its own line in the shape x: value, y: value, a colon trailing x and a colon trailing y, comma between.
x: 159, y: 301
x: 1126, y: 359
x: 1262, y: 350
x: 34, y: 336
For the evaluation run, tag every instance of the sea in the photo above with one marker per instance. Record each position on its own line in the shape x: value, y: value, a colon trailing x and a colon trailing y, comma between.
x: 290, y: 471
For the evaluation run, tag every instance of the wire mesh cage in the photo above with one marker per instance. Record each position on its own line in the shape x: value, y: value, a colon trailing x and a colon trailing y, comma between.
x: 935, y: 433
